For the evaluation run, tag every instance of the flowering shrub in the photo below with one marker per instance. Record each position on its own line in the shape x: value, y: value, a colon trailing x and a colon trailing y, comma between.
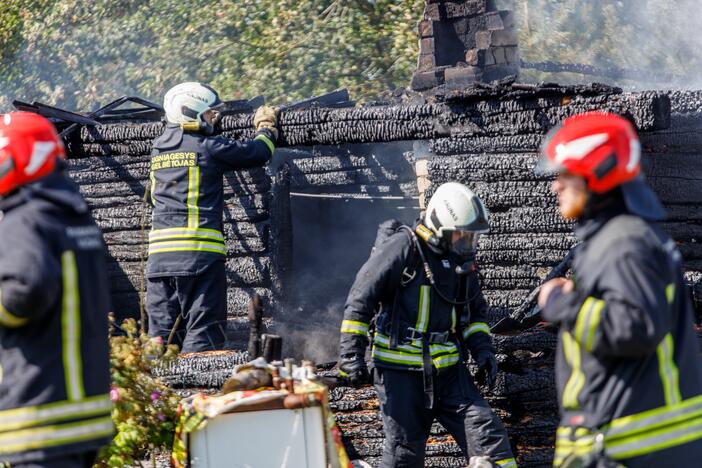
x: 144, y: 409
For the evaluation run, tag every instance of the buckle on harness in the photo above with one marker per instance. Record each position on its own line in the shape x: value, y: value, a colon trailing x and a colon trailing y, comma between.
x: 432, y: 338
x: 438, y: 338
x: 407, y: 276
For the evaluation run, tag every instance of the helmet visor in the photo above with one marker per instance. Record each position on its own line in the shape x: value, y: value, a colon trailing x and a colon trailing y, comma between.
x: 463, y: 243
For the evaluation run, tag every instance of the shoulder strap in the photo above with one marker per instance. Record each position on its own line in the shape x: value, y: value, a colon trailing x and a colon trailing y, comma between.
x: 409, y: 271
x: 407, y: 275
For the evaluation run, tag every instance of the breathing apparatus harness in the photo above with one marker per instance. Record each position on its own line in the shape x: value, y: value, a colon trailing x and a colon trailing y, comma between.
x: 408, y: 274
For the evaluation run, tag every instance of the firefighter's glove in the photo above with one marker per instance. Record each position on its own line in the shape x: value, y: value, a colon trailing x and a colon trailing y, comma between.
x: 487, y: 368
x: 354, y: 370
x: 267, y: 117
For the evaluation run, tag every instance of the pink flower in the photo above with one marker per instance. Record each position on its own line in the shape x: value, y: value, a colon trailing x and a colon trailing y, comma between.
x: 155, y: 395
x: 161, y: 417
x: 114, y: 395
x: 157, y: 339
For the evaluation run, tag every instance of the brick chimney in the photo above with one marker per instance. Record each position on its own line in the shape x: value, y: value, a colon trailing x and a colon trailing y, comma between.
x: 463, y: 42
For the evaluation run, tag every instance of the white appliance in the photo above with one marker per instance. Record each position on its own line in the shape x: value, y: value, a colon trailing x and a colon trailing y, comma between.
x: 279, y: 438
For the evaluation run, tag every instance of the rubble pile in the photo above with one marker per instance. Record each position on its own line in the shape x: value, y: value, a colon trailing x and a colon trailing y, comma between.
x: 485, y: 136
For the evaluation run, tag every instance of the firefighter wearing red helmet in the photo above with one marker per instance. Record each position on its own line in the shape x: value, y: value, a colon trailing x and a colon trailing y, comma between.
x: 628, y: 371
x: 54, y: 358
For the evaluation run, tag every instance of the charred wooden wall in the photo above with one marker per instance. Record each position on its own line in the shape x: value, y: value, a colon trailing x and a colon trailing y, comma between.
x: 113, y: 176
x: 487, y: 137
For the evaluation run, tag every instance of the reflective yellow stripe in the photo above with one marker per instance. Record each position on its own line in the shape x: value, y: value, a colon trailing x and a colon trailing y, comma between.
x: 442, y: 355
x: 396, y: 357
x: 656, y: 417
x: 638, y: 434
x: 446, y: 361
x: 352, y: 326
x: 588, y: 321
x: 70, y: 325
x: 416, y: 347
x: 668, y: 371
x: 476, y: 327
x: 193, y: 194
x: 51, y: 436
x: 399, y: 357
x: 507, y: 463
x: 267, y: 141
x: 566, y: 444
x: 453, y: 319
x: 22, y: 418
x: 670, y: 292
x: 575, y: 383
x: 654, y: 441
x: 8, y: 319
x: 183, y: 246
x: 184, y: 232
x: 424, y: 307
x: 152, y: 176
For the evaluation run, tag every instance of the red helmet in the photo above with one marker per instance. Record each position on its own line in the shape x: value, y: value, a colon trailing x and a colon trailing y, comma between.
x: 604, y: 149
x: 29, y: 149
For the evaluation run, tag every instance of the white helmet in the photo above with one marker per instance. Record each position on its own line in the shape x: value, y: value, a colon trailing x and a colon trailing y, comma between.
x: 455, y: 208
x: 187, y: 102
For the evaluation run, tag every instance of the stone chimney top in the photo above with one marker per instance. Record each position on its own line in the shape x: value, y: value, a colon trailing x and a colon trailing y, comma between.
x: 463, y: 42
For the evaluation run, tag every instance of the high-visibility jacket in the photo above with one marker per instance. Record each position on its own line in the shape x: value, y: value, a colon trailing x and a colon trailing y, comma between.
x: 188, y: 197
x: 424, y: 317
x: 54, y: 302
x: 628, y: 365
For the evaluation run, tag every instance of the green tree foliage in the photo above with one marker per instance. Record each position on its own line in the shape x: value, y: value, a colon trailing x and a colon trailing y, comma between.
x: 76, y: 53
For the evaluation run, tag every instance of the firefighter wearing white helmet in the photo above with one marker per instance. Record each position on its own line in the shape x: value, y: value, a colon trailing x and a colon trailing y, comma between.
x: 432, y: 315
x: 186, y: 288
x: 457, y: 217
x: 186, y: 104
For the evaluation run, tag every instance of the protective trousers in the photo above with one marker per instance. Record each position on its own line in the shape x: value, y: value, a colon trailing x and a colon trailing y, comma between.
x: 201, y: 300
x: 459, y: 408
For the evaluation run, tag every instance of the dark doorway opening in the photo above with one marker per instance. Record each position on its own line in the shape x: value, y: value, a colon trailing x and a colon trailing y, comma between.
x: 335, y: 217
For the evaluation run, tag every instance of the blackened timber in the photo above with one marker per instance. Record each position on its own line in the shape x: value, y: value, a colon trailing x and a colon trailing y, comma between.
x: 324, y: 126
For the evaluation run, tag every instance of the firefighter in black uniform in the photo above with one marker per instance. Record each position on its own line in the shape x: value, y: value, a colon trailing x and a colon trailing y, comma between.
x: 185, y: 270
x: 54, y: 357
x: 432, y: 311
x: 628, y: 367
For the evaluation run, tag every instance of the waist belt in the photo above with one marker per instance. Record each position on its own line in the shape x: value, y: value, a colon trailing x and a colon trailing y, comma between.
x: 412, y: 334
x: 429, y: 337
x: 635, y: 435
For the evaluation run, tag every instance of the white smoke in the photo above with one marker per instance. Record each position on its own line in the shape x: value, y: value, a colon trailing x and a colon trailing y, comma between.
x: 640, y: 44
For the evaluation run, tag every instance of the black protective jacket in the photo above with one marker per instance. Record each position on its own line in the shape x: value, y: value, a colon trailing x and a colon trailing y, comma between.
x: 424, y: 317
x: 54, y: 302
x: 628, y: 363
x: 188, y: 197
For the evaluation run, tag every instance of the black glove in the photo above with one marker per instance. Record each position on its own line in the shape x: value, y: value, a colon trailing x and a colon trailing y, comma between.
x: 353, y: 368
x: 487, y: 368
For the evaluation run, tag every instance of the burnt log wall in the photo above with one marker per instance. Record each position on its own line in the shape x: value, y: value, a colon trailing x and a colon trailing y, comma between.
x: 488, y: 139
x: 256, y: 210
